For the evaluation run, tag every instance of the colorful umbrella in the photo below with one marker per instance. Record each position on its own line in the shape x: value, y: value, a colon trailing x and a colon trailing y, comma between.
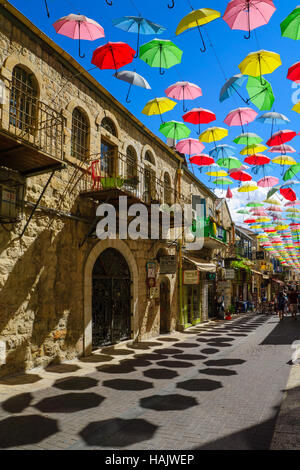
x: 260, y: 63
x: 240, y: 117
x: 275, y: 119
x: 291, y: 172
x: 231, y: 86
x: 268, y: 182
x: 174, y: 130
x: 113, y: 55
x: 242, y: 211
x: 248, y: 138
x: 288, y: 194
x: 183, y: 91
x: 290, y: 27
x: 139, y: 25
x: 281, y: 137
x: 189, y: 146
x: 247, y: 15
x: 158, y: 106
x: 79, y: 27
x: 247, y: 187
x: 199, y: 116
x: 213, y: 134
x: 283, y: 149
x: 229, y: 194
x: 294, y: 73
x: 161, y: 53
x: 260, y: 95
x: 202, y: 160
x: 296, y: 107
x: 132, y: 78
x: 217, y: 173
x: 229, y: 162
x: 252, y: 149
x: 222, y: 151
x: 196, y: 19
x: 240, y: 176
x: 222, y: 181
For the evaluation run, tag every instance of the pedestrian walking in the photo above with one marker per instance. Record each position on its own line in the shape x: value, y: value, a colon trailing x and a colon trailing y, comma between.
x: 281, y: 302
x: 293, y: 302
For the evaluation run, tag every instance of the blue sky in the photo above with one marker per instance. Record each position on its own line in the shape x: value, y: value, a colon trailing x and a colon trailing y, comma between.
x: 196, y: 67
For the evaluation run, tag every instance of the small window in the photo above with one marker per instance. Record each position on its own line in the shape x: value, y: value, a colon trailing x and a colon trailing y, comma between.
x: 109, y: 126
x: 167, y: 189
x: 149, y: 157
x: 23, y: 100
x: 131, y: 162
x: 80, y: 134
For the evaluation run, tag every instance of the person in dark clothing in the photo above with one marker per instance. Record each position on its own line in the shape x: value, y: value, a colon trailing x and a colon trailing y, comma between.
x: 281, y: 301
x: 293, y: 302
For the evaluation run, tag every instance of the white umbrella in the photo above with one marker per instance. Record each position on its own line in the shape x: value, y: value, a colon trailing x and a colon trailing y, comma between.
x: 132, y: 78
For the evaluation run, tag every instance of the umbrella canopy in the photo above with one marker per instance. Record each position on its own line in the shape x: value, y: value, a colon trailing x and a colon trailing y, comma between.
x: 222, y: 181
x: 229, y: 162
x: 202, y: 160
x: 217, y: 173
x: 268, y: 182
x: 281, y: 137
x: 190, y: 146
x: 229, y: 194
x: 158, y: 106
x: 240, y: 176
x: 260, y: 63
x: 275, y: 119
x: 247, y: 187
x: 196, y: 19
x: 296, y: 107
x: 113, y: 55
x: 291, y: 172
x: 260, y: 95
x: 213, y: 134
x: 199, y: 116
x: 139, y: 25
x: 294, y: 73
x: 79, y: 27
x: 248, y: 138
x: 282, y: 149
x: 290, y: 27
x: 248, y: 15
x: 132, y: 78
x: 174, y: 130
x: 161, y: 53
x: 232, y: 86
x: 183, y: 91
x: 240, y: 117
x: 242, y: 211
x: 222, y: 151
x: 288, y: 194
x: 252, y: 149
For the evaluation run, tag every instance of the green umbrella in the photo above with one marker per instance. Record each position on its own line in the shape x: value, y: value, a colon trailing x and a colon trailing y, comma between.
x: 248, y: 138
x: 291, y: 172
x: 223, y: 181
x: 229, y: 162
x: 243, y: 211
x: 272, y: 191
x: 161, y: 53
x: 290, y: 27
x: 175, y: 130
x: 254, y: 204
x: 260, y: 95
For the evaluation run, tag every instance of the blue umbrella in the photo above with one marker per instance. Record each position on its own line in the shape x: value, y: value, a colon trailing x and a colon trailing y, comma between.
x: 263, y: 169
x: 275, y: 119
x: 139, y: 25
x: 222, y: 151
x: 290, y: 183
x: 231, y: 86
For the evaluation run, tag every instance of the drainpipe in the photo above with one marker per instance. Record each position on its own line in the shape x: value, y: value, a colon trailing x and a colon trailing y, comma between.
x: 181, y: 319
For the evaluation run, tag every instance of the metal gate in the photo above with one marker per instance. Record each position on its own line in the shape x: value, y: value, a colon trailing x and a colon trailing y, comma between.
x: 111, y: 300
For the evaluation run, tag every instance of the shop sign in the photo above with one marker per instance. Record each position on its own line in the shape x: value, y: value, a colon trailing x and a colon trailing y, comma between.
x: 220, y: 233
x: 154, y: 293
x: 191, y: 277
x: 168, y: 264
x: 151, y: 270
x: 211, y: 276
x: 230, y: 274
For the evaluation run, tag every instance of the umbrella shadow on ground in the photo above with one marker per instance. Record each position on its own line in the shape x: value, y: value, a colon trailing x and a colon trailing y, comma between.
x: 18, y: 403
x: 215, y: 371
x: 168, y: 339
x: 199, y: 385
x: 150, y: 356
x: 175, y: 364
x: 209, y: 350
x: 25, y: 430
x: 173, y: 402
x: 186, y: 345
x: 117, y: 432
x: 116, y: 368
x: 127, y: 384
x: 160, y: 374
x: 224, y: 362
x: 118, y: 352
x: 75, y: 383
x: 69, y: 403
x: 144, y: 345
x: 62, y: 368
x: 96, y: 358
x: 286, y: 332
x: 167, y: 351
x: 136, y: 362
x: 21, y: 379
x: 189, y: 357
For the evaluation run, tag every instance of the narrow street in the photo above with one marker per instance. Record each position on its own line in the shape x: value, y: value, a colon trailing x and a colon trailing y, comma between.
x: 216, y: 386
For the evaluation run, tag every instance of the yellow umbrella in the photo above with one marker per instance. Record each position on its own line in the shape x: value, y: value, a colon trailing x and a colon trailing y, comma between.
x: 273, y: 201
x: 217, y: 173
x: 256, y: 226
x: 281, y: 227
x: 260, y: 63
x: 263, y: 219
x: 293, y: 210
x: 297, y: 107
x: 195, y: 19
x: 212, y: 134
x: 247, y: 187
x: 158, y: 106
x: 253, y: 149
x: 284, y: 160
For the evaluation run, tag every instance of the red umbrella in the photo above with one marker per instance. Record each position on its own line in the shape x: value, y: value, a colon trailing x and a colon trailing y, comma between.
x: 281, y: 137
x: 249, y: 221
x: 229, y: 194
x: 240, y: 176
x: 288, y: 194
x: 199, y: 116
x: 202, y: 160
x: 113, y: 55
x: 294, y: 73
x: 258, y: 159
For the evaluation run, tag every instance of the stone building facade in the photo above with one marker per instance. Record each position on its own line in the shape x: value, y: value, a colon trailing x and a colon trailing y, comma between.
x: 58, y: 127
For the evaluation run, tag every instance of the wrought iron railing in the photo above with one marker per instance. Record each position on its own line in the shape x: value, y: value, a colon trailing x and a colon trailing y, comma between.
x: 32, y: 121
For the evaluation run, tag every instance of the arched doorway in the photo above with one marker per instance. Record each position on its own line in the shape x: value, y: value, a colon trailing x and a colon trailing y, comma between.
x: 111, y: 299
x: 165, y: 309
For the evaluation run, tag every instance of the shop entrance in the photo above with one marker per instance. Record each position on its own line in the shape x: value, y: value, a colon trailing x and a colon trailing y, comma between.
x: 165, y: 308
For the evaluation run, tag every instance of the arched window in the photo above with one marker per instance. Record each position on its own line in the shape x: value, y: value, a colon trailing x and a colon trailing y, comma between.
x: 131, y: 162
x: 149, y: 157
x: 108, y: 125
x: 167, y: 189
x: 80, y: 135
x: 23, y: 100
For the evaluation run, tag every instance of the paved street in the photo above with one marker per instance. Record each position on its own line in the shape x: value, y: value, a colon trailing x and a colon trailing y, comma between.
x: 219, y: 385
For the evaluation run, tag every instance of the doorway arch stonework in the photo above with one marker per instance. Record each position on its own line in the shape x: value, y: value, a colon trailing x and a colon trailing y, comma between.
x: 96, y: 251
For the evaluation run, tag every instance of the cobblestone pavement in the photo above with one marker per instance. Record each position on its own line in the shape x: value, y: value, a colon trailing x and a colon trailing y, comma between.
x: 218, y: 385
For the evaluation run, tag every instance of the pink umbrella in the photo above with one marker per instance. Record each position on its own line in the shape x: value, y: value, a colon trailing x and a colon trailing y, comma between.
x: 183, y: 91
x: 293, y: 203
x: 190, y: 146
x: 229, y: 194
x: 274, y: 209
x: 260, y: 212
x: 199, y: 116
x: 283, y: 149
x: 247, y: 15
x: 240, y: 116
x: 268, y: 182
x: 79, y: 27
x: 241, y: 168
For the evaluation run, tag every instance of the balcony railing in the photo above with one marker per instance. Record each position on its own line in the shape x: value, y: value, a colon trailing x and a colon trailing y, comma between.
x: 31, y: 121
x: 115, y: 171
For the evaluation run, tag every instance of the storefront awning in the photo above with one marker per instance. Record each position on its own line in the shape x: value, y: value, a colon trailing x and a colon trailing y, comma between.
x: 200, y: 266
x: 256, y: 272
x: 278, y: 281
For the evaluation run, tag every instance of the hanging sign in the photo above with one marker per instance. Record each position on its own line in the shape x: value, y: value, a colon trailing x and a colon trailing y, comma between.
x: 154, y: 293
x: 151, y: 270
x: 190, y: 277
x: 168, y: 264
x: 230, y: 274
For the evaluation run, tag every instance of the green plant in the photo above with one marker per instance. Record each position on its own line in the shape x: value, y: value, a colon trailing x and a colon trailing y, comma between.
x: 241, y: 263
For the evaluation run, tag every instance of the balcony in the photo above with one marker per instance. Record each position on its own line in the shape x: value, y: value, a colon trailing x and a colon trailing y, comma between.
x: 31, y: 134
x: 215, y: 236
